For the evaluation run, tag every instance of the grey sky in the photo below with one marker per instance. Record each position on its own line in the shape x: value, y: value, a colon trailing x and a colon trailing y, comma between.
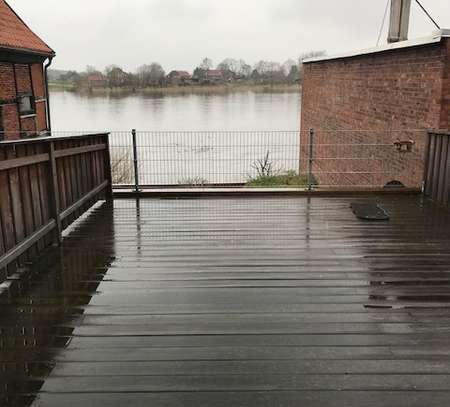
x: 179, y: 33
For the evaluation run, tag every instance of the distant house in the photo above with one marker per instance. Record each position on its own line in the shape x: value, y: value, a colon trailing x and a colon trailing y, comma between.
x: 96, y: 80
x: 215, y: 75
x: 24, y: 107
x: 179, y: 77
x: 116, y: 77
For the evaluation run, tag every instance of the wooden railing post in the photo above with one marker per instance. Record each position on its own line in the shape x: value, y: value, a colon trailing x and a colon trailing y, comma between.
x: 54, y: 192
x: 427, y: 160
x: 108, y: 171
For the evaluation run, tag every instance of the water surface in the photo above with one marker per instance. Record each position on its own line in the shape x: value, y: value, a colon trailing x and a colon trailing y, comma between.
x: 233, y: 111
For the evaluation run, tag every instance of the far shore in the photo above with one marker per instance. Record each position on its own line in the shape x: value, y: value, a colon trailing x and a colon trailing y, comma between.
x: 180, y: 90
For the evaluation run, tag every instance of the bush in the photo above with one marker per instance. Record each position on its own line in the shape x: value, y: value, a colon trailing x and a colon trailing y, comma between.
x: 287, y: 179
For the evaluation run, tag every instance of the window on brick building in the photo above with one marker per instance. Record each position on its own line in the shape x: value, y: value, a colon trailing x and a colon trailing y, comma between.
x: 27, y: 105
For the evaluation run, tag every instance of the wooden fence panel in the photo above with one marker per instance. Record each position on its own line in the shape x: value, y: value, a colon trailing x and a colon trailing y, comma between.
x: 46, y: 184
x: 437, y: 167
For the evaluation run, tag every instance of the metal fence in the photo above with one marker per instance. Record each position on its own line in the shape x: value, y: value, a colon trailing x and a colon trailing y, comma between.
x: 364, y: 159
x: 309, y: 159
x: 197, y: 159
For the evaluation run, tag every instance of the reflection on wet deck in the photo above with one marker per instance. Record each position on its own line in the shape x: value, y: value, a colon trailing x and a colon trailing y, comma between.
x: 235, y: 302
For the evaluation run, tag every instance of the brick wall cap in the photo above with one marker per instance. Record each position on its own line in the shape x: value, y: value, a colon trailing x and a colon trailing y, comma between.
x: 435, y: 38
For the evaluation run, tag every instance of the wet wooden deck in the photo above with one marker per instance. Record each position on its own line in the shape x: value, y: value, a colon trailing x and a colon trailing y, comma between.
x: 235, y: 302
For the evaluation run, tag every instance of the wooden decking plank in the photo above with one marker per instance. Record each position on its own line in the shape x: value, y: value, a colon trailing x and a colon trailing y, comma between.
x: 251, y: 399
x: 255, y: 302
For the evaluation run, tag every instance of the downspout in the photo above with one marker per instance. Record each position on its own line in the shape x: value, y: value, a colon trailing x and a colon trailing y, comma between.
x: 47, y: 94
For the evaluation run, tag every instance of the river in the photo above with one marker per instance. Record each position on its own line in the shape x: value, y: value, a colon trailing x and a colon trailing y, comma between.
x: 232, y: 111
x: 190, y: 139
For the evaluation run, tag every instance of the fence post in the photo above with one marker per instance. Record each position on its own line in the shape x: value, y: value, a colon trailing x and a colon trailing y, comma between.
x: 135, y: 161
x: 311, y: 160
x: 54, y: 192
x: 108, y: 170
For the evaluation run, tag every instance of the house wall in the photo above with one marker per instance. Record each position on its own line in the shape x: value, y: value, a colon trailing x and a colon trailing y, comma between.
x: 374, y: 99
x: 445, y: 111
x: 17, y: 79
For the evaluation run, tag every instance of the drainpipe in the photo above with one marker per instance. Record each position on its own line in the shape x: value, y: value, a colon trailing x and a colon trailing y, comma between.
x: 47, y: 93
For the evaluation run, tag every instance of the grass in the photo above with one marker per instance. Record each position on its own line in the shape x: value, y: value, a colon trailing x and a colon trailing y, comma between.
x: 287, y: 179
x: 61, y: 86
x: 182, y: 90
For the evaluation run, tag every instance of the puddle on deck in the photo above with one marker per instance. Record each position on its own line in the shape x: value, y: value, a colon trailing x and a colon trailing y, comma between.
x: 247, y: 302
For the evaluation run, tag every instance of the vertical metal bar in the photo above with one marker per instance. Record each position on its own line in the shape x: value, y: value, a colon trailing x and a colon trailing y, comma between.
x: 311, y: 160
x: 53, y: 198
x: 136, y: 162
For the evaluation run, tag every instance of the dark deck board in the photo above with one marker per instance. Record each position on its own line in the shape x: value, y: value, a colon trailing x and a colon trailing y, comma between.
x: 250, y: 399
x: 235, y: 302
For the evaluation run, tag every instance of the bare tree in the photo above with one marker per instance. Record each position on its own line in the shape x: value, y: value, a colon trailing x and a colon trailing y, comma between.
x: 116, y: 76
x: 294, y: 74
x: 270, y: 72
x: 264, y: 167
x: 150, y: 75
x: 287, y: 66
x: 206, y: 64
x: 237, y: 67
x: 90, y: 69
x: 157, y: 74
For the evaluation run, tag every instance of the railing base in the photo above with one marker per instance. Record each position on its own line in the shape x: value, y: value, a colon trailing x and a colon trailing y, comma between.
x: 181, y: 193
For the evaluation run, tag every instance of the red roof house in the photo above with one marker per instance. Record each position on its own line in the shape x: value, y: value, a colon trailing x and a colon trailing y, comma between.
x: 24, y: 107
x: 96, y: 79
x: 215, y: 74
x: 179, y: 77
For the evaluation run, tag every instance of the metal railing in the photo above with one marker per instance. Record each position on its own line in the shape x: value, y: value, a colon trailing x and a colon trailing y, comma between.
x: 359, y: 159
x: 296, y: 159
x: 145, y: 159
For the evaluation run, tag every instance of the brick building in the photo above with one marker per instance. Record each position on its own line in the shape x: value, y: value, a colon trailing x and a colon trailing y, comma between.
x: 23, y: 91
x: 363, y: 104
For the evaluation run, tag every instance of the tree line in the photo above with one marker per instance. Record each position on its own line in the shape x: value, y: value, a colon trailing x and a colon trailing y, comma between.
x: 229, y: 70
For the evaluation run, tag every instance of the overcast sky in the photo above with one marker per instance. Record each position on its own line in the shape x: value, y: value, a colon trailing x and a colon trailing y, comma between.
x: 179, y: 33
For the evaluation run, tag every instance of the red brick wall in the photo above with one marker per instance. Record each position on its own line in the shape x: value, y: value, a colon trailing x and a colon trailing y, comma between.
x: 7, y: 94
x: 7, y: 85
x: 28, y: 125
x: 38, y: 80
x: 10, y: 121
x: 445, y: 112
x: 23, y: 78
x: 371, y: 97
x: 41, y: 121
x: 27, y: 81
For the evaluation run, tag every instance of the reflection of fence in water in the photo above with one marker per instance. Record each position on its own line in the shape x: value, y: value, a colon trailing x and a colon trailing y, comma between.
x: 201, y: 158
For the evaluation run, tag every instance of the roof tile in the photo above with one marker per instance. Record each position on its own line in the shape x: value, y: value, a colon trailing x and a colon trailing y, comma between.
x: 15, y: 34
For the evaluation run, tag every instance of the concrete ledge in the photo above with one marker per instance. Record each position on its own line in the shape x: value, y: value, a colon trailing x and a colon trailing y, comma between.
x: 181, y: 193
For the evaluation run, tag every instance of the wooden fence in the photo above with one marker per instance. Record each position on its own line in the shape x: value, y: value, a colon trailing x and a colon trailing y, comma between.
x: 437, y: 167
x: 46, y: 184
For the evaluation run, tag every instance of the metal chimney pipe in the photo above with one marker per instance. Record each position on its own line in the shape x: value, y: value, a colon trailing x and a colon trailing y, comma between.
x: 399, y: 24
